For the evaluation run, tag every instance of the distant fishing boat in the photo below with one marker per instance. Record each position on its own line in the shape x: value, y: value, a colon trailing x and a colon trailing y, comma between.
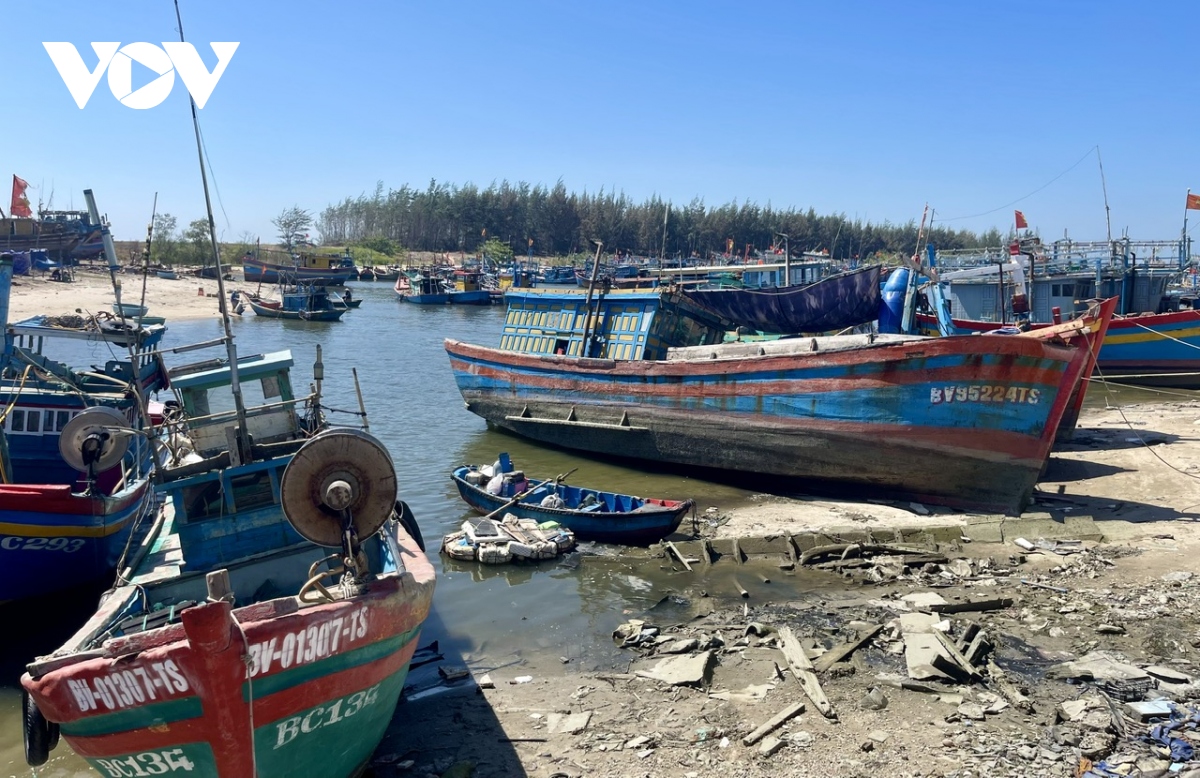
x: 169, y: 275
x: 592, y: 514
x: 301, y: 267
x: 961, y: 421
x: 469, y: 289
x: 423, y: 289
x: 302, y: 303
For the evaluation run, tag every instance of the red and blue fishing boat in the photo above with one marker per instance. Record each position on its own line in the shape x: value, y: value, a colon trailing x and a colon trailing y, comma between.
x: 74, y: 478
x: 592, y: 514
x: 961, y: 421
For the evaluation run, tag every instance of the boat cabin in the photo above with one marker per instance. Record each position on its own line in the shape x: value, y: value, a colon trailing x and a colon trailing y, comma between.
x: 620, y: 324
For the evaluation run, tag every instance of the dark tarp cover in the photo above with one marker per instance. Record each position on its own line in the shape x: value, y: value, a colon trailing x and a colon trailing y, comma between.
x: 834, y: 303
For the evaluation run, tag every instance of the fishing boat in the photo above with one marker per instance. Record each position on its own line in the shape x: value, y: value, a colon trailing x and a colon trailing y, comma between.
x: 75, y: 476
x: 300, y: 303
x: 234, y: 643
x: 237, y: 645
x: 423, y: 289
x: 962, y: 421
x: 169, y: 275
x: 61, y: 234
x: 307, y: 267
x: 559, y: 274
x: 1149, y: 342
x: 592, y: 514
x: 469, y: 289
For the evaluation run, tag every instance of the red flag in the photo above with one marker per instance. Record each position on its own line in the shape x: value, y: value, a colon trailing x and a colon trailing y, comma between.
x: 20, y: 203
x: 1193, y: 202
x: 1021, y: 223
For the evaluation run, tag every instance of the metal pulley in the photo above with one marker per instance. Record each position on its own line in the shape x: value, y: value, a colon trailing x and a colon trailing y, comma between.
x: 95, y: 440
x: 340, y: 473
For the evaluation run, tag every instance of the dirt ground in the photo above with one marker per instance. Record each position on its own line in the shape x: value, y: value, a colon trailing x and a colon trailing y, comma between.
x: 1127, y: 485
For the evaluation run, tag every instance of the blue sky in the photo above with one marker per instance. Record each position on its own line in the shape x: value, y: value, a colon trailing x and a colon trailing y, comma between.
x: 866, y: 108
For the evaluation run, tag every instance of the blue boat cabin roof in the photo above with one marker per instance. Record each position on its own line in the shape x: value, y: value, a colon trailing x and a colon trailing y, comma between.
x: 249, y: 368
x: 634, y: 324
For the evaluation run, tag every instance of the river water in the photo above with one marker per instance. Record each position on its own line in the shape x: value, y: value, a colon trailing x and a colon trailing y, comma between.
x: 486, y: 615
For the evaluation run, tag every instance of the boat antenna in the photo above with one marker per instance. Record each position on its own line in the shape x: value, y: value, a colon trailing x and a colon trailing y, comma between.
x: 243, y: 434
x: 146, y: 254
x: 1104, y: 191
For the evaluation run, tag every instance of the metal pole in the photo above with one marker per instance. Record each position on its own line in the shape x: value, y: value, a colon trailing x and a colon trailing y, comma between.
x: 149, y: 238
x: 587, y: 304
x: 362, y: 408
x: 235, y: 386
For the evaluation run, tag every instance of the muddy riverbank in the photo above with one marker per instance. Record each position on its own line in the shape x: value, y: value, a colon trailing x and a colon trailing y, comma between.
x: 1105, y: 561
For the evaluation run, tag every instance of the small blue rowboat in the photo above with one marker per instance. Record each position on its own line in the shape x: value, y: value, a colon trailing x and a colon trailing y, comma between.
x: 589, y: 513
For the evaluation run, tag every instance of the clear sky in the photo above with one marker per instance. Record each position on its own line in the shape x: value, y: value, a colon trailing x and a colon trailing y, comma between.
x: 865, y: 108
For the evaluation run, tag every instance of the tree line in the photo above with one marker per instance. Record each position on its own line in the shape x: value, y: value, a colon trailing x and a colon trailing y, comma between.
x: 448, y: 217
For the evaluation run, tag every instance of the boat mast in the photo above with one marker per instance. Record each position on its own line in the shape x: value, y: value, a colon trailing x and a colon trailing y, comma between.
x: 244, y: 453
x: 149, y: 239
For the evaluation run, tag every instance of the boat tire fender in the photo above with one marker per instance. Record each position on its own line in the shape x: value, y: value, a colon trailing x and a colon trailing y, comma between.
x: 41, y: 736
x: 409, y: 522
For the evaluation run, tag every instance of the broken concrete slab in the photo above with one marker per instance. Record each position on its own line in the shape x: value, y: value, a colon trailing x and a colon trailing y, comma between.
x: 568, y: 724
x: 1098, y: 666
x: 693, y: 670
x: 770, y: 745
x: 680, y: 646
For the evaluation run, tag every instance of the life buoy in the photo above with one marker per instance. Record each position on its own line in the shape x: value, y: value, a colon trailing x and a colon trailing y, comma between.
x: 41, y: 736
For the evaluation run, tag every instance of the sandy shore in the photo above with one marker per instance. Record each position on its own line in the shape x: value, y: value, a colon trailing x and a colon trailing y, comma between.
x: 92, y: 291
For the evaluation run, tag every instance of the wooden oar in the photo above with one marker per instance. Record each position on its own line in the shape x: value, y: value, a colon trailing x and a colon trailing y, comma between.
x: 526, y: 493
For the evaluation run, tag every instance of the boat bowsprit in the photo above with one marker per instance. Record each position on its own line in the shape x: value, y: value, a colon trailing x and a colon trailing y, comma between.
x: 511, y: 539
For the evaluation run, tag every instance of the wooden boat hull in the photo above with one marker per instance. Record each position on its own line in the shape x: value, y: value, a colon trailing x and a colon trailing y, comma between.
x: 128, y: 310
x: 476, y: 297
x: 648, y: 525
x: 967, y: 422
x: 426, y: 299
x: 52, y: 540
x: 277, y: 313
x: 269, y: 689
x: 1161, y: 349
x: 271, y: 273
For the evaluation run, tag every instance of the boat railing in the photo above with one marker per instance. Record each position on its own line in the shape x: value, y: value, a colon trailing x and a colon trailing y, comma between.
x: 267, y: 423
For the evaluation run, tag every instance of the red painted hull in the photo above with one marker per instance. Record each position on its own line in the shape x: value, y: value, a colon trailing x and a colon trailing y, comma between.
x: 246, y: 691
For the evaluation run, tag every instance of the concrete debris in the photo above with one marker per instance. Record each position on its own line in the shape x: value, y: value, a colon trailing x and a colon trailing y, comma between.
x: 570, y: 724
x: 692, y: 670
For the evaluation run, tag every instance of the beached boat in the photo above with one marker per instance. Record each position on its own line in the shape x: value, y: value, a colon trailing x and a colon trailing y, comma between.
x: 592, y: 514
x: 301, y: 303
x: 169, y: 275
x: 963, y: 421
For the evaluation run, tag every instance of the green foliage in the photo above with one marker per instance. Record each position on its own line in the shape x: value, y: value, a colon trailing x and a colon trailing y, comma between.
x: 197, y: 248
x: 444, y: 217
x: 497, y: 251
x: 379, y: 245
x: 164, y: 243
x: 293, y: 224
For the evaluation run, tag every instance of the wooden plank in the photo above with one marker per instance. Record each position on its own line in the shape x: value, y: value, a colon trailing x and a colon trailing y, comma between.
x: 955, y: 655
x: 774, y: 723
x: 802, y: 669
x: 965, y: 604
x: 838, y: 653
x: 679, y: 556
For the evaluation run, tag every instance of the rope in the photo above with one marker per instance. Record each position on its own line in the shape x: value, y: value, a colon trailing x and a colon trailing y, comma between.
x: 1168, y: 337
x: 339, y: 410
x: 1128, y: 424
x: 249, y: 690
